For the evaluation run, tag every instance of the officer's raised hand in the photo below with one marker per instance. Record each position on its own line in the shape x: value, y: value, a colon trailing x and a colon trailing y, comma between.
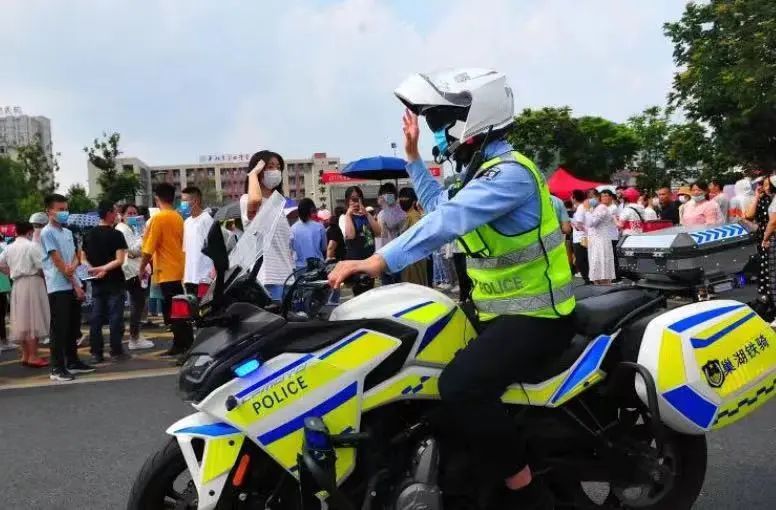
x: 411, y: 136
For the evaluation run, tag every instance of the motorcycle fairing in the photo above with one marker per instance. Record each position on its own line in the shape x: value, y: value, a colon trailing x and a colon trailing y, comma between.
x: 222, y: 444
x: 416, y: 382
x: 273, y: 401
x: 714, y: 362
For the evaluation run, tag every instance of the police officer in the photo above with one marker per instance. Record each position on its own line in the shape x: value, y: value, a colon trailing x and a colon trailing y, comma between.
x: 503, y: 217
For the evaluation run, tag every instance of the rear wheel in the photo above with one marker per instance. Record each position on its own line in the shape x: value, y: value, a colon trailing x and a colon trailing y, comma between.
x: 676, y: 481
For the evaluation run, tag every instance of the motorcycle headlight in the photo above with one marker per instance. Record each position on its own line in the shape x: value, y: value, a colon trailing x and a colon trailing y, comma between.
x: 192, y: 374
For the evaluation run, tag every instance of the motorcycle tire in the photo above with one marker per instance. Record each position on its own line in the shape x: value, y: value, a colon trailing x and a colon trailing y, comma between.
x: 152, y: 485
x: 689, y: 457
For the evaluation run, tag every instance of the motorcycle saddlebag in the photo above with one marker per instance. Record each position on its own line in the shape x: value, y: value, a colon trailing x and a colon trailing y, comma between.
x: 713, y: 363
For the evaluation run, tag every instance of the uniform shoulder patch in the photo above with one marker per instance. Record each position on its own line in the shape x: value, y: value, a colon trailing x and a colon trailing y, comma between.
x: 490, y: 173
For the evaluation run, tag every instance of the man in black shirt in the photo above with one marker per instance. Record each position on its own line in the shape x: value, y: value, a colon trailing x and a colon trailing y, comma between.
x: 669, y: 209
x: 335, y: 246
x: 105, y: 250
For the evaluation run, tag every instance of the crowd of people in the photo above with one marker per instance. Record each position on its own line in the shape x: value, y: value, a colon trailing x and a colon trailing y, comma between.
x: 600, y: 218
x: 143, y: 258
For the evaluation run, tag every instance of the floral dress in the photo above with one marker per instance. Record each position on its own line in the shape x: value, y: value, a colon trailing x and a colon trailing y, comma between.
x: 766, y: 277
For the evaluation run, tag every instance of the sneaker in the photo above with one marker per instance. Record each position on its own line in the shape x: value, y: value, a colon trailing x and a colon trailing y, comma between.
x: 444, y: 286
x: 96, y: 359
x: 45, y: 341
x: 455, y: 290
x: 120, y: 357
x: 8, y: 347
x: 140, y: 343
x: 773, y: 324
x: 61, y: 374
x: 79, y: 367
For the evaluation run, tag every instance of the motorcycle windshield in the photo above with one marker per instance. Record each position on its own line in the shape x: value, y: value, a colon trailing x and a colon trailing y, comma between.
x: 258, y: 233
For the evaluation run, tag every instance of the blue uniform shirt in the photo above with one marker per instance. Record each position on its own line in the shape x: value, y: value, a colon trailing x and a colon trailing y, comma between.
x: 61, y: 240
x: 505, y: 196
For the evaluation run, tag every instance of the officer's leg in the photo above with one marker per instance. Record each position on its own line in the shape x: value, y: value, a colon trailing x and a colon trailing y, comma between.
x: 472, y: 384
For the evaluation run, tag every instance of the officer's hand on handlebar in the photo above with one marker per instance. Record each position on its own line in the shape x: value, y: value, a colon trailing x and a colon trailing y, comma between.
x: 374, y: 266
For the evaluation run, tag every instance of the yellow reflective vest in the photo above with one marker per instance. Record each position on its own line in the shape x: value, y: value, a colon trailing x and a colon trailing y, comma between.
x: 522, y: 274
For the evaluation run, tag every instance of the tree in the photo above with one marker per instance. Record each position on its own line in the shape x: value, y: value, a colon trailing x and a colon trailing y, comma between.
x: 78, y: 200
x: 117, y: 185
x: 725, y: 50
x: 591, y: 147
x: 18, y: 197
x: 599, y: 148
x: 651, y: 129
x: 542, y: 134
x: 37, y: 166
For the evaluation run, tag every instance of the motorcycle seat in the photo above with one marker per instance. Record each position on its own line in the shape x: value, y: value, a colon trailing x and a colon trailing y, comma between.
x: 599, y: 309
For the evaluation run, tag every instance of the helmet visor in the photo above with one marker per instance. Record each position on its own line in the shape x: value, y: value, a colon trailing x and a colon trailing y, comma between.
x: 442, y: 117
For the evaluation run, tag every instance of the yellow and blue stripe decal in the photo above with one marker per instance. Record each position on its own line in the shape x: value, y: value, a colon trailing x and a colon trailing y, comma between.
x: 585, y: 367
x: 412, y: 309
x: 296, y: 423
x: 691, y: 405
x: 719, y: 233
x: 699, y: 318
x: 700, y: 343
x: 264, y: 380
x: 211, y: 430
x: 344, y: 343
x: 433, y: 330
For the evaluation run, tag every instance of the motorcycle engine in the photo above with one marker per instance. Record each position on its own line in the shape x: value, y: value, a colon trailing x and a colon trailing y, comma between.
x: 420, y: 490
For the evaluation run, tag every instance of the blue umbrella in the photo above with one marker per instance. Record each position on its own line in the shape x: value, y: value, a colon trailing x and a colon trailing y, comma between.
x: 376, y: 168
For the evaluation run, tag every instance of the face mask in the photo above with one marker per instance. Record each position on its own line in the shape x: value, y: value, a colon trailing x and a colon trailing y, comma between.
x: 62, y: 216
x: 184, y: 208
x: 440, y: 137
x: 389, y: 198
x: 133, y: 221
x: 593, y: 202
x: 683, y: 199
x: 271, y: 178
x: 699, y: 198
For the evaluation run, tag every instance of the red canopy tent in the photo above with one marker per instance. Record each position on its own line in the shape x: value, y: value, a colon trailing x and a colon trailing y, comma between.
x: 562, y: 183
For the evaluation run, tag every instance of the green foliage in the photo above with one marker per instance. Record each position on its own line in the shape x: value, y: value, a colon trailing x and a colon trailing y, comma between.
x: 116, y: 185
x: 599, y: 148
x: 542, y: 134
x: 725, y: 51
x: 37, y: 167
x: 78, y: 200
x: 19, y: 198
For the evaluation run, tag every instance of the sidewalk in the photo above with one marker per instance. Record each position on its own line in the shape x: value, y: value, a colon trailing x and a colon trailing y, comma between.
x: 143, y: 363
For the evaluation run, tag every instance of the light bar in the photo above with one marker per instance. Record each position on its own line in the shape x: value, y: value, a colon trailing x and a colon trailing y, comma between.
x: 246, y: 368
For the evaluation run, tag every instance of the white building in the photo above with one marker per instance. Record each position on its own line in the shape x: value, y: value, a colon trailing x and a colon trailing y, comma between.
x: 17, y: 130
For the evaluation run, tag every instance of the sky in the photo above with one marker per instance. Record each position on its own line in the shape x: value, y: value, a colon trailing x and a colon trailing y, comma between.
x: 181, y: 79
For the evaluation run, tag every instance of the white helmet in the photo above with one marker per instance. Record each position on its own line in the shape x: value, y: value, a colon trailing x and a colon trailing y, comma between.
x: 464, y: 102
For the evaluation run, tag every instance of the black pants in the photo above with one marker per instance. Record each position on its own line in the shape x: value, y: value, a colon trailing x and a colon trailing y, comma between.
x: 182, y: 334
x: 464, y: 282
x: 3, y: 312
x: 107, y: 306
x: 616, y: 261
x: 581, y: 261
x: 430, y: 271
x: 65, y: 328
x: 510, y: 347
x: 137, y: 302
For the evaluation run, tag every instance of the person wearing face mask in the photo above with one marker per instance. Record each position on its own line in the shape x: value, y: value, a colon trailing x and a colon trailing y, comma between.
x: 129, y: 227
x: 264, y: 178
x: 390, y: 218
x: 501, y: 214
x: 700, y: 211
x: 30, y: 315
x: 163, y: 242
x: 198, y: 266
x: 105, y: 249
x: 5, y: 291
x: 408, y: 201
x: 360, y: 229
x: 64, y: 290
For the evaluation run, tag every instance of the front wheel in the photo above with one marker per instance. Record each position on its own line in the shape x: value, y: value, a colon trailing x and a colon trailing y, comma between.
x: 164, y: 482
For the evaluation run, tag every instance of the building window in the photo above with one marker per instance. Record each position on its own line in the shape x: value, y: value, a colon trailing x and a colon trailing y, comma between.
x: 128, y: 168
